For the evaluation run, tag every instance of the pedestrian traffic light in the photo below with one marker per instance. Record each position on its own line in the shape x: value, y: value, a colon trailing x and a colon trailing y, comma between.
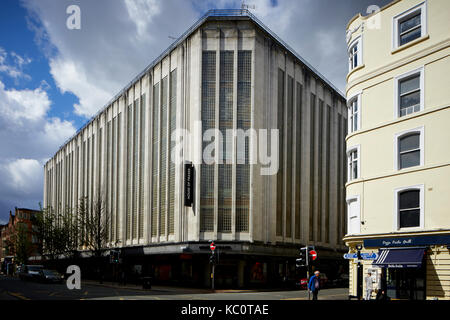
x: 301, y: 261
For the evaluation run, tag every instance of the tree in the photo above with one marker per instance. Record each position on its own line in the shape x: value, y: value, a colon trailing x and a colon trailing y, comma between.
x: 47, y: 233
x: 97, y: 227
x: 65, y: 233
x: 23, y: 244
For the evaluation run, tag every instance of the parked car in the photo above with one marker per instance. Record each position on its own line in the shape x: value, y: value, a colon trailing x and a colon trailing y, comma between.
x: 30, y: 272
x: 303, y: 283
x: 342, y: 280
x: 50, y: 276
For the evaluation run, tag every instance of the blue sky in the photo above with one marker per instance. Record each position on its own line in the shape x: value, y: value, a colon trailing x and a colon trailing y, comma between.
x: 20, y: 39
x: 52, y: 79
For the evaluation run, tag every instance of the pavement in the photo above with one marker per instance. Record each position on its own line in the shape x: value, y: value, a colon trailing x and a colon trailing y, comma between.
x: 173, y: 288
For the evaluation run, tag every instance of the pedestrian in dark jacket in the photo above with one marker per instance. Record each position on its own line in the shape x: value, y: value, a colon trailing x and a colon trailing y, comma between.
x: 382, y: 288
x: 314, y: 284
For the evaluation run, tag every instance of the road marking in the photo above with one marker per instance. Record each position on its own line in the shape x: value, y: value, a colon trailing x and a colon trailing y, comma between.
x: 17, y: 295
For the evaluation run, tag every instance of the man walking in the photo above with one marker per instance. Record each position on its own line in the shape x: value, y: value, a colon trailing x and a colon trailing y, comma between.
x: 314, y: 284
x: 369, y: 286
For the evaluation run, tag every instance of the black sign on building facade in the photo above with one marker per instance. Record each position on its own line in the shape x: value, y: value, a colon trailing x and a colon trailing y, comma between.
x: 188, y: 184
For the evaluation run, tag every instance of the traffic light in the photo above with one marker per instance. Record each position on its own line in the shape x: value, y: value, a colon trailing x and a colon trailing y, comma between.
x: 212, y: 258
x: 301, y: 261
x: 114, y: 256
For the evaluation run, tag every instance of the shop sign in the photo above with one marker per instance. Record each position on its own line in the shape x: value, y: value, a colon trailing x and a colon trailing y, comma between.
x: 397, y: 266
x: 407, y: 241
x: 188, y: 184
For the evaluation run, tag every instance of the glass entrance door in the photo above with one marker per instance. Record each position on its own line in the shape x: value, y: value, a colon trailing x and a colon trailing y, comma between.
x: 406, y: 283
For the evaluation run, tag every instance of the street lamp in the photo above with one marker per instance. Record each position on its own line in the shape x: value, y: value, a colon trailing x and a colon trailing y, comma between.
x: 359, y: 274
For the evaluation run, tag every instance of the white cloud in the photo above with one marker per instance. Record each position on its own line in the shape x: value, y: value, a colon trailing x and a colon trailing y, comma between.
x: 57, y: 131
x: 70, y: 76
x: 28, y: 137
x: 26, y: 131
x: 141, y: 13
x: 14, y: 68
x: 24, y: 175
x: 117, y: 40
x: 16, y: 105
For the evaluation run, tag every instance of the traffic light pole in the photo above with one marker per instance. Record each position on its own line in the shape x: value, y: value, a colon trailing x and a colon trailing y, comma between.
x: 212, y: 260
x: 213, y: 267
x: 307, y: 272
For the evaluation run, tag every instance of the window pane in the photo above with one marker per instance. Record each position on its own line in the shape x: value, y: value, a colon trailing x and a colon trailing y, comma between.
x: 355, y: 105
x: 409, y: 100
x: 410, y: 84
x: 410, y: 36
x: 410, y: 159
x: 409, y: 199
x: 409, y: 142
x: 410, y: 23
x: 410, y: 218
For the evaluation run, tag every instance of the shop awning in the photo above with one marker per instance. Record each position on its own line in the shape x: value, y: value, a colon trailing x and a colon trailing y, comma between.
x: 400, y: 257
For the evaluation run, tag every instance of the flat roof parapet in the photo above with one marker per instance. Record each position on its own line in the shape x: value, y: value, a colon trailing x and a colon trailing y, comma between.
x: 213, y: 13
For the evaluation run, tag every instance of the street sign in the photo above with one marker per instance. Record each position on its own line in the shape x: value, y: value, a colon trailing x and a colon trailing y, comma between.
x: 350, y: 256
x: 364, y: 256
x: 369, y: 256
x: 212, y: 246
x: 313, y: 254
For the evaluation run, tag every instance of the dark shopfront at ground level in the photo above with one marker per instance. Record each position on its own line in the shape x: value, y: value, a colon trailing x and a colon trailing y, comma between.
x: 239, y: 265
x: 414, y: 267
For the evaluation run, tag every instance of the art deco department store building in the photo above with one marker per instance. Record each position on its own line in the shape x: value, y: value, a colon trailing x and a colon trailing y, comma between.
x: 227, y: 71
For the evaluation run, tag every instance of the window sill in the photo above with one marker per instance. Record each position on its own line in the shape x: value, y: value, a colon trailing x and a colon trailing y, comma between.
x: 410, y: 44
x: 409, y: 169
x: 407, y: 230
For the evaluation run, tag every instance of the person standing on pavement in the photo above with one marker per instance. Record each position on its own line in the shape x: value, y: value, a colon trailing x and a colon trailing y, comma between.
x: 382, y: 288
x: 369, y: 286
x: 314, y: 284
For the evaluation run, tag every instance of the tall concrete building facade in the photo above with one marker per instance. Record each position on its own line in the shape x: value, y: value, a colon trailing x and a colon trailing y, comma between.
x: 398, y: 151
x: 227, y: 72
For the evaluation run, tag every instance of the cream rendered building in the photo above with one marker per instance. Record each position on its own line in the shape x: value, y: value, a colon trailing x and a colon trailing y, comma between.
x: 398, y: 148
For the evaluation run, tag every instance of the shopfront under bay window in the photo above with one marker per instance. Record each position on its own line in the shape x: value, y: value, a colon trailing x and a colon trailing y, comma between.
x: 406, y: 283
x: 403, y: 271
